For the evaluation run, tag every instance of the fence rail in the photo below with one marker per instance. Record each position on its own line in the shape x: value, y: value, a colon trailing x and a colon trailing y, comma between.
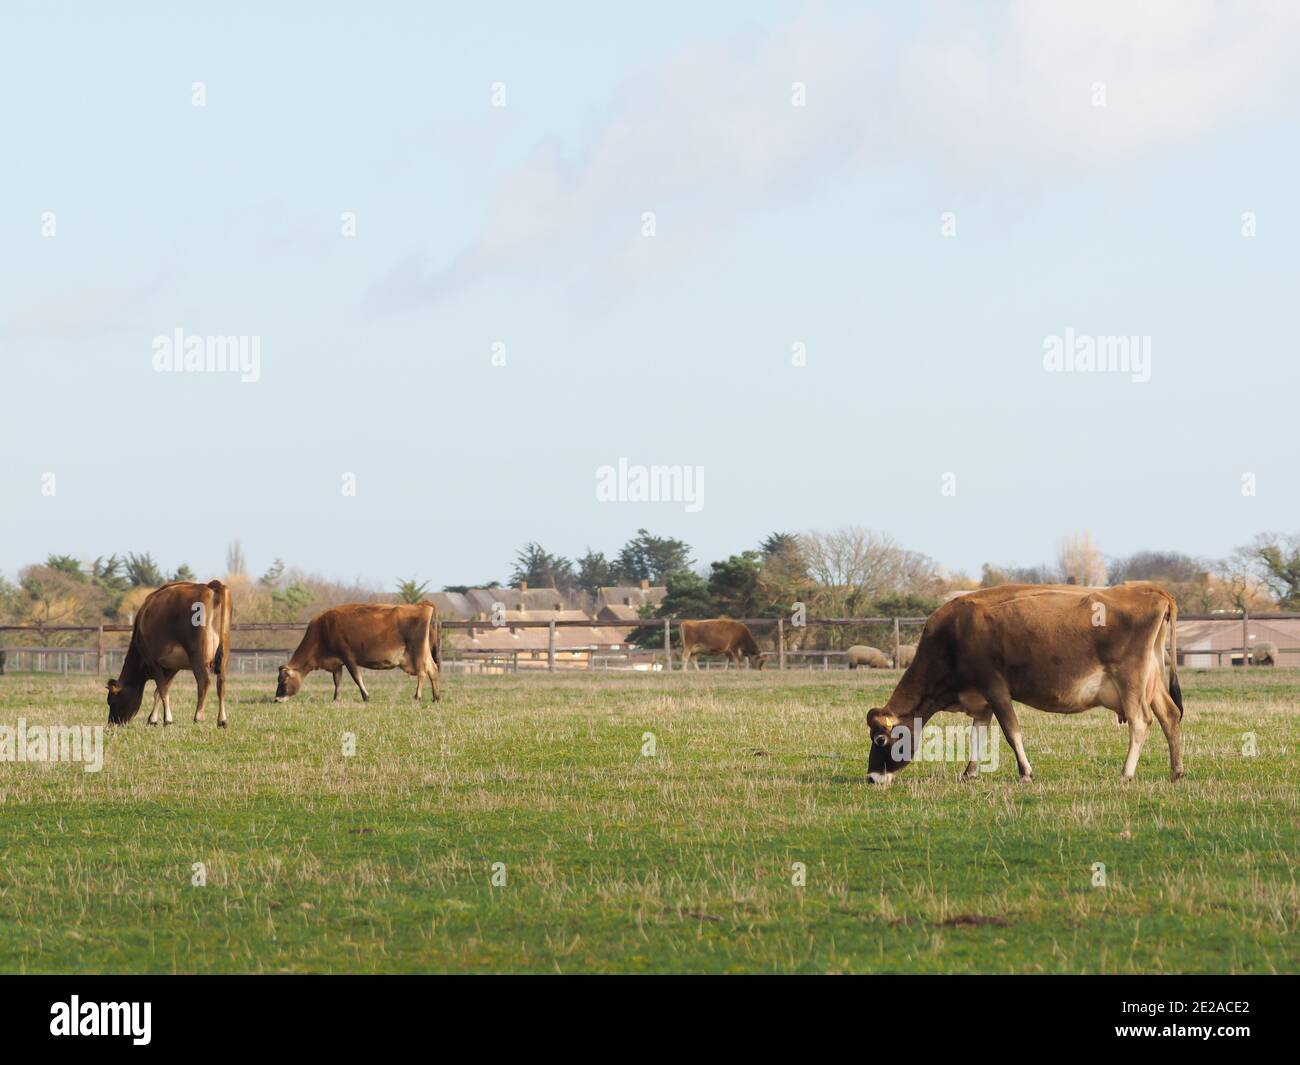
x: 266, y: 659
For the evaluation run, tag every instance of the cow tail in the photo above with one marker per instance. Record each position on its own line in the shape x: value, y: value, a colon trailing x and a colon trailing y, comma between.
x: 1175, y: 691
x: 435, y: 634
x: 221, y: 619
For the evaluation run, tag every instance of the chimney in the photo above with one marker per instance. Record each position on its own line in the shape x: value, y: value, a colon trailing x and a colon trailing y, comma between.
x: 523, y: 586
x: 645, y: 584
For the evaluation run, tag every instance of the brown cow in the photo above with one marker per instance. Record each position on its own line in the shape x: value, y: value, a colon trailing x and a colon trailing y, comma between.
x: 1057, y: 648
x: 180, y: 624
x: 369, y: 636
x: 721, y: 636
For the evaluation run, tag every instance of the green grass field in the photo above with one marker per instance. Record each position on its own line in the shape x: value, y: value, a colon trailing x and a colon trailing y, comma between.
x: 619, y: 862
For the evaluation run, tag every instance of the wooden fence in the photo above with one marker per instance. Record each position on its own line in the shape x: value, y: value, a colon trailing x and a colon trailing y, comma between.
x: 257, y: 660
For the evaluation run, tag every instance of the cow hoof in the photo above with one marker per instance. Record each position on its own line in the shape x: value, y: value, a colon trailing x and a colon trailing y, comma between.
x: 1026, y: 778
x: 221, y: 724
x: 1176, y: 776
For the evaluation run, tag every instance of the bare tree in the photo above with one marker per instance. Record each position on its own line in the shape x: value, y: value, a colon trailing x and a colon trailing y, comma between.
x: 1277, y: 563
x: 1081, y: 561
x: 235, y: 564
x: 1239, y: 583
x: 853, y: 566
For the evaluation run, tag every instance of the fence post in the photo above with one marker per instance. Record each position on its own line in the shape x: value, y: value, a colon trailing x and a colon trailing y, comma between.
x: 99, y: 651
x: 550, y: 647
x: 897, y: 645
x: 1245, y: 639
x: 668, y: 645
x: 780, y: 643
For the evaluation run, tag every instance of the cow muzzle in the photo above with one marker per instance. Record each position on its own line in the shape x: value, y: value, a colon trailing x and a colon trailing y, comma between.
x: 875, y: 777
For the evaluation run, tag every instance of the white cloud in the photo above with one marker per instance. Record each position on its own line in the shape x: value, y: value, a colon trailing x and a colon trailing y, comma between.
x: 710, y: 133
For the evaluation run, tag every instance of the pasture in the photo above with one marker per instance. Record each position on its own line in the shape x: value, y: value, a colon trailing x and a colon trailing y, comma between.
x: 618, y: 860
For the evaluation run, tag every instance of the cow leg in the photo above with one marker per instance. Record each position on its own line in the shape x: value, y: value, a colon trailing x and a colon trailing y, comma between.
x: 686, y: 658
x: 221, y: 693
x: 1139, y: 719
x: 338, y: 676
x: 354, y: 673
x: 429, y: 668
x: 979, y: 735
x: 419, y: 682
x: 166, y: 698
x: 1003, y: 708
x: 202, y: 680
x: 1166, y: 712
x: 162, y: 681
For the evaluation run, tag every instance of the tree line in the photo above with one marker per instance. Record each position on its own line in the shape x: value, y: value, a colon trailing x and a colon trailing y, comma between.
x: 847, y: 572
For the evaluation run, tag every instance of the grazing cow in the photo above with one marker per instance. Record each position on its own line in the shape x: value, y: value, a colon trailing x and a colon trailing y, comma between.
x: 722, y: 636
x: 180, y: 624
x: 862, y: 655
x: 1265, y: 653
x: 906, y: 653
x: 1057, y: 648
x: 369, y: 636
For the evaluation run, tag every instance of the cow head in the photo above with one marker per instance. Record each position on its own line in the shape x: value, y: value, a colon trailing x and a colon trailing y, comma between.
x: 287, y: 684
x: 756, y: 659
x: 123, y: 703
x: 891, y: 746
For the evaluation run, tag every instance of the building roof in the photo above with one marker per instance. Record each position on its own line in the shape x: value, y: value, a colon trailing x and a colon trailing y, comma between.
x: 503, y: 638
x: 452, y: 606
x: 630, y: 595
x: 619, y: 612
x: 547, y: 600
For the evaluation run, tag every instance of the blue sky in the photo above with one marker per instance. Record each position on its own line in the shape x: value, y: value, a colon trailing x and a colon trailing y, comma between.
x: 522, y: 225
